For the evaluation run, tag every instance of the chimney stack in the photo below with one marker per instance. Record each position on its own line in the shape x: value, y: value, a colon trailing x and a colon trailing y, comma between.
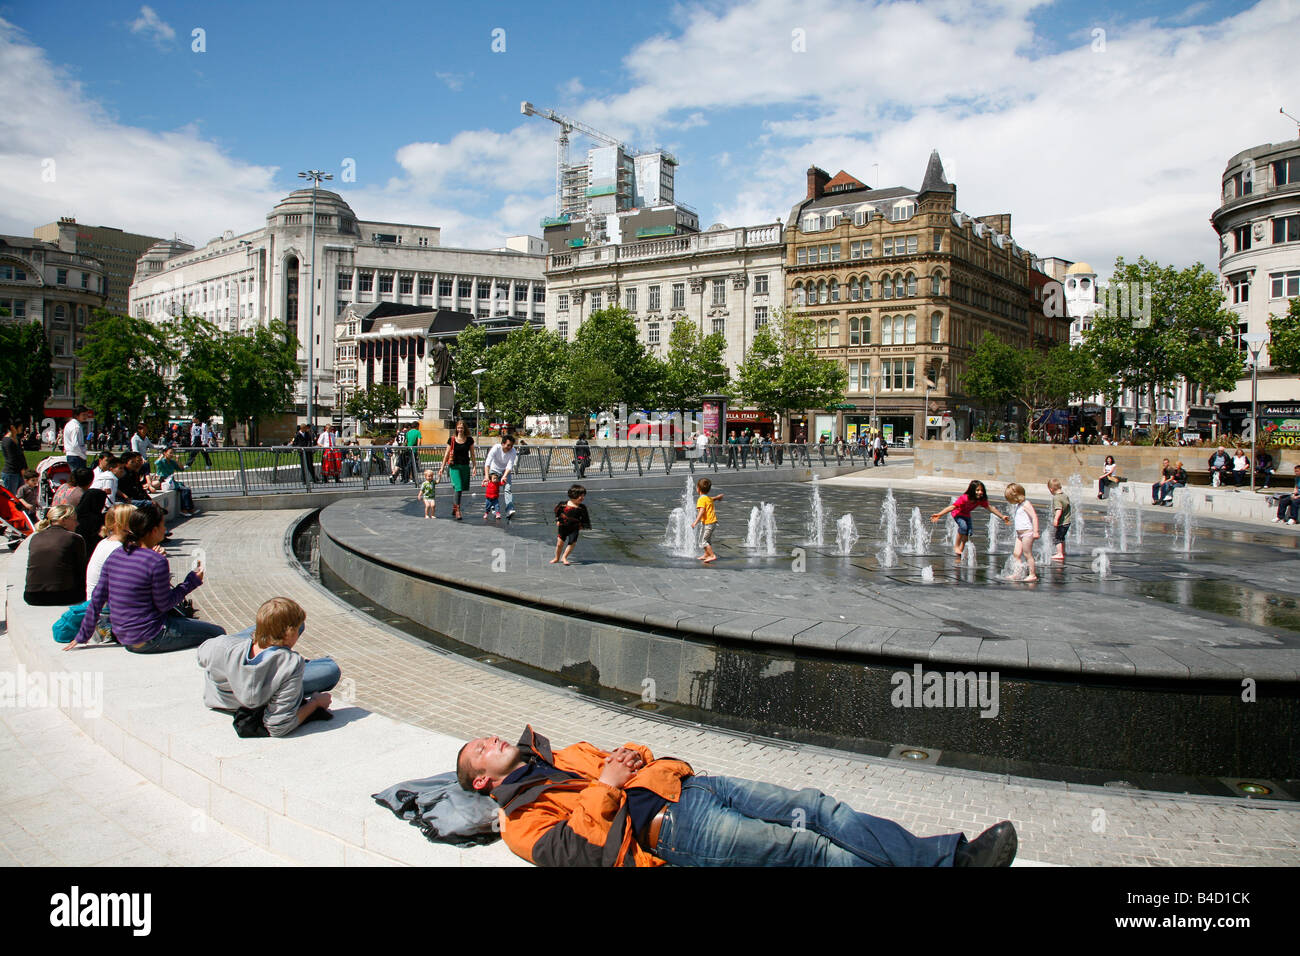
x: 817, y: 180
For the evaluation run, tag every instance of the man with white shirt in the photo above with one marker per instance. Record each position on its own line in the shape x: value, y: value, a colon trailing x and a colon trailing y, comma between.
x: 74, y: 437
x: 501, y: 461
x: 331, y: 458
x: 106, y: 479
x: 198, y: 443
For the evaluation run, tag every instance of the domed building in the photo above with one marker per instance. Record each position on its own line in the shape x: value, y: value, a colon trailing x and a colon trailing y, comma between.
x: 242, y: 280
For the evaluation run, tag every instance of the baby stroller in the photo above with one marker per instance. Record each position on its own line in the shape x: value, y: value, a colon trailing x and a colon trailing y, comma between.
x: 54, y: 472
x: 13, y: 519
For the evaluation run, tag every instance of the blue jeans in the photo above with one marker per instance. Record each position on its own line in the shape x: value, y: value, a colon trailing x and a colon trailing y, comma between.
x: 74, y: 462
x: 725, y: 821
x: 508, y: 496
x: 319, y: 675
x: 179, y: 634
x: 12, y: 481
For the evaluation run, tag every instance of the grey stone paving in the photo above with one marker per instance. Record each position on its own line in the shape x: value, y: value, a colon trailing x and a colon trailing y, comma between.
x: 1160, y: 614
x: 412, y: 682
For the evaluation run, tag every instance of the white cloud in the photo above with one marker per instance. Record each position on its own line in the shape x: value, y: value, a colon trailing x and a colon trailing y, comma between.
x: 107, y: 172
x: 152, y: 26
x: 453, y: 81
x: 1095, y: 154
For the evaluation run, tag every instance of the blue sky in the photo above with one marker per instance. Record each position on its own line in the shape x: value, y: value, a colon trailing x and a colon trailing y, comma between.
x: 1099, y: 145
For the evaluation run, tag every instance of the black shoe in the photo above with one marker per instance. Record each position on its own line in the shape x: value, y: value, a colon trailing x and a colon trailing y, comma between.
x: 996, y: 846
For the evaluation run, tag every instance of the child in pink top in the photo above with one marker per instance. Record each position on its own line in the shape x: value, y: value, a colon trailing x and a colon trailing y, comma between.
x: 961, y: 509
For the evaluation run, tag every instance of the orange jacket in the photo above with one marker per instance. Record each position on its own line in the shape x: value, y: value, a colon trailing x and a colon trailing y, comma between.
x: 554, y: 818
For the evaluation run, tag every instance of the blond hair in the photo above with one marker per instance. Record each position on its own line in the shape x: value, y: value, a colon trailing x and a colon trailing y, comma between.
x: 115, y: 519
x: 55, y: 516
x: 1053, y: 484
x: 274, y: 618
x: 1015, y: 493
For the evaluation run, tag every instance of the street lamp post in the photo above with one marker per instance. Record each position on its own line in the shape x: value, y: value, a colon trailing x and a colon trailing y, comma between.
x: 875, y: 420
x: 1255, y: 342
x: 478, y: 399
x: 315, y: 175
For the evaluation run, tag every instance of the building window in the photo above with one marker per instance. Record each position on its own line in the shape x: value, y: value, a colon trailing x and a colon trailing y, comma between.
x: 61, y: 276
x: 679, y: 295
x: 345, y: 282
x: 853, y: 375
x: 862, y: 216
x: 562, y: 303
x: 1242, y: 236
x: 887, y: 246
x: 385, y: 283
x: 597, y: 302
x: 562, y: 329
x: 822, y: 295
x: 1240, y: 287
x: 85, y: 280
x: 911, y: 245
x: 901, y: 211
x: 835, y: 334
x: 855, y: 333
x: 719, y: 326
x: 652, y: 333
x: 366, y: 282
x: 760, y: 317
x: 886, y: 286
x: 422, y: 241
x: 464, y: 288
x: 1286, y: 229
x: 1284, y: 285
x: 760, y: 284
x: 444, y: 288
x: 17, y: 307
x: 405, y: 284
x: 654, y: 298
x: 484, y: 290
x: 911, y: 285
x: 629, y: 299
x: 866, y: 329
x: 855, y: 291
x: 719, y: 292
x: 936, y: 328
x: 835, y: 252
x: 801, y: 256
x: 12, y: 274
x: 1286, y: 171
x: 834, y: 288
x: 812, y: 223
x: 823, y: 334
x: 938, y: 241
x: 539, y: 293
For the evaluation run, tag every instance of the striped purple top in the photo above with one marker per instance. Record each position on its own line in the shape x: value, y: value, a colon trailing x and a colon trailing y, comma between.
x: 137, y: 585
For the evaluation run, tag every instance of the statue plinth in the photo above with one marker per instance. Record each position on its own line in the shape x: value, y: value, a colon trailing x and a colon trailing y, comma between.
x: 437, y: 425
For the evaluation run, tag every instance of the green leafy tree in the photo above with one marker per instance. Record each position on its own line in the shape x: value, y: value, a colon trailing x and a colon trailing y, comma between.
x: 529, y: 373
x: 997, y: 375
x: 203, y: 369
x: 470, y: 351
x: 125, y: 362
x: 782, y: 371
x: 609, y: 337
x: 264, y: 371
x: 694, y: 366
x: 378, y: 403
x: 1284, y: 339
x: 589, y: 391
x: 26, y: 372
x: 1180, y: 330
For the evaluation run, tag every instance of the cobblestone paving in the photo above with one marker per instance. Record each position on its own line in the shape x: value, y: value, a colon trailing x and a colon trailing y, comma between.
x: 408, y: 681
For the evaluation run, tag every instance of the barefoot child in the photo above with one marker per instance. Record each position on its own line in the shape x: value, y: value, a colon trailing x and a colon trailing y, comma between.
x: 570, y: 518
x: 1062, y: 512
x: 704, y: 512
x: 961, y: 510
x: 425, y: 493
x: 1026, y: 528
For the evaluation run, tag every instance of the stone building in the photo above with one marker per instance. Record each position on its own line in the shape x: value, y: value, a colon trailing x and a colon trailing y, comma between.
x: 264, y: 274
x: 1259, y: 264
x: 119, y: 251
x: 902, y: 286
x: 40, y: 282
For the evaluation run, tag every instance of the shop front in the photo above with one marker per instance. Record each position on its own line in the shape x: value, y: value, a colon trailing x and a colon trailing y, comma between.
x: 740, y: 419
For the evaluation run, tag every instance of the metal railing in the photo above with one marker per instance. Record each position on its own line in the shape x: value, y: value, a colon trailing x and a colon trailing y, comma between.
x: 285, y: 469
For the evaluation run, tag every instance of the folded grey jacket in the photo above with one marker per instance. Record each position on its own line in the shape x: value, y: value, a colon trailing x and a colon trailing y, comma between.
x: 272, y: 679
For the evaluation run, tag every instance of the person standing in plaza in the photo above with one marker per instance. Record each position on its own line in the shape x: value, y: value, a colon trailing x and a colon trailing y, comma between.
x: 302, y: 440
x: 459, y: 463
x: 1062, y: 512
x: 707, y: 514
x: 581, y: 456
x: 1026, y: 528
x: 15, y: 461
x: 411, y: 463
x: 501, y: 460
x: 571, y: 518
x: 74, y: 437
x: 427, y: 492
x: 961, y: 510
x: 331, y: 464
x: 198, y: 443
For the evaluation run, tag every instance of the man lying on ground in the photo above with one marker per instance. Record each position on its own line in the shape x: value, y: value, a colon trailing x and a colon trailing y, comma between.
x: 582, y: 806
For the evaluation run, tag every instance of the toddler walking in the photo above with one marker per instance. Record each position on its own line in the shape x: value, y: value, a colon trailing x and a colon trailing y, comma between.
x: 1062, y: 512
x: 492, y: 496
x: 704, y: 512
x: 1026, y: 519
x: 425, y: 493
x: 570, y: 518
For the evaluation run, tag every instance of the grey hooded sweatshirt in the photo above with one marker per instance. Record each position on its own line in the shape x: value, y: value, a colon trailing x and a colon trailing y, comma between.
x: 271, y: 677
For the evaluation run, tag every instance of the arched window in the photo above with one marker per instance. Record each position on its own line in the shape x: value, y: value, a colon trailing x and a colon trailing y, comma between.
x: 910, y: 325
x: 936, y: 284
x: 799, y: 294
x: 855, y: 293
x: 886, y: 286
x: 866, y: 288
x: 823, y: 334
x: 936, y: 327
x: 821, y: 292
x: 401, y: 396
x: 835, y: 333
x: 911, y: 284
x: 835, y: 290
x: 855, y: 336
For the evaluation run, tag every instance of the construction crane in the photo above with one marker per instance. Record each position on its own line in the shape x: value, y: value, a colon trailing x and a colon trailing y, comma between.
x: 567, y: 125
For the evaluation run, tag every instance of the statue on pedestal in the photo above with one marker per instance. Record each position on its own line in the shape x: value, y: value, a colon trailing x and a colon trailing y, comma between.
x: 440, y: 364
